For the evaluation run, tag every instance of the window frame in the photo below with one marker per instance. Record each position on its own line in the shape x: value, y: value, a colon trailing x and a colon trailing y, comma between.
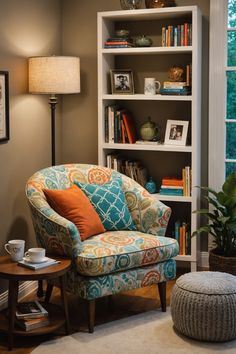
x: 217, y: 90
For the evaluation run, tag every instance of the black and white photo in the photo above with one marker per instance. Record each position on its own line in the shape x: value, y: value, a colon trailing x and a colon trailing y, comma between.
x: 122, y: 82
x: 176, y: 132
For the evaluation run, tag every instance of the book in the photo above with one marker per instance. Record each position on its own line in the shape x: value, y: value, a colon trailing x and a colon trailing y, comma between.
x: 35, y: 266
x: 169, y: 191
x: 32, y: 323
x: 174, y: 84
x: 144, y: 142
x: 169, y: 181
x: 129, y: 126
x: 30, y: 309
x: 175, y: 91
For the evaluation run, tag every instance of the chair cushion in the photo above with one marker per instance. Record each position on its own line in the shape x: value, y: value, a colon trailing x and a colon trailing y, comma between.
x: 109, y: 202
x: 72, y: 204
x: 119, y: 250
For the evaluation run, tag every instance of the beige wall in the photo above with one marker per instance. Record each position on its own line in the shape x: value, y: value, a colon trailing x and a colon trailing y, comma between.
x: 27, y: 28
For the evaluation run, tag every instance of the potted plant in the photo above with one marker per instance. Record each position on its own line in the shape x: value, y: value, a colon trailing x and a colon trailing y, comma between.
x: 221, y: 215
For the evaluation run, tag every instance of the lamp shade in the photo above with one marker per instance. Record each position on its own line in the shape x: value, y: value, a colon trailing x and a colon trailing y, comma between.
x: 54, y: 75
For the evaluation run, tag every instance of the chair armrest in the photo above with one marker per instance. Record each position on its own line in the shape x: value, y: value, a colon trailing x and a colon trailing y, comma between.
x: 55, y: 233
x: 148, y: 213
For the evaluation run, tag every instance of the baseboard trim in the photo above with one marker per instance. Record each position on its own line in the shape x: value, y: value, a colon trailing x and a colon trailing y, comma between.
x: 24, y: 289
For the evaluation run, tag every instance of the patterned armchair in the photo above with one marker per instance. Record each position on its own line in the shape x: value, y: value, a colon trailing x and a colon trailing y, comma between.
x: 114, y: 261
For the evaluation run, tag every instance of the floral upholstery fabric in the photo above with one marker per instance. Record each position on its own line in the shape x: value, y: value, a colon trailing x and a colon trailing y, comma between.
x: 115, y: 251
x: 94, y: 287
x: 128, y: 261
x: 58, y: 235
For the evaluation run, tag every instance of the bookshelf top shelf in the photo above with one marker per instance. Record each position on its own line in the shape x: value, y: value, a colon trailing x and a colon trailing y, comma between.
x: 147, y: 50
x: 150, y: 14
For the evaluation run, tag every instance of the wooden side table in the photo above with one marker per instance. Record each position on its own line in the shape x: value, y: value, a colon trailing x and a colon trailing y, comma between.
x: 14, y: 274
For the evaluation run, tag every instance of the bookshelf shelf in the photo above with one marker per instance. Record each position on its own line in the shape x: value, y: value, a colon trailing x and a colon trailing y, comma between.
x: 147, y: 97
x: 147, y: 51
x: 173, y: 198
x: 161, y: 160
x: 143, y: 147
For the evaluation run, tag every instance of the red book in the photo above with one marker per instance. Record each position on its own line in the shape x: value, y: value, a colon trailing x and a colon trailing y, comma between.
x: 129, y: 127
x: 168, y: 181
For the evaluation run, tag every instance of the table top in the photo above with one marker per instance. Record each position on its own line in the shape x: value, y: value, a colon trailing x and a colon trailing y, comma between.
x: 11, y: 270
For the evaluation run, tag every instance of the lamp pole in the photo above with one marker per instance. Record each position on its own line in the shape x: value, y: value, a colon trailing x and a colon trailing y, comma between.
x: 53, y: 103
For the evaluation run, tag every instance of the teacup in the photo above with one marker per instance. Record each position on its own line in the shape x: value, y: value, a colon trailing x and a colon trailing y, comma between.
x: 16, y: 249
x: 35, y: 255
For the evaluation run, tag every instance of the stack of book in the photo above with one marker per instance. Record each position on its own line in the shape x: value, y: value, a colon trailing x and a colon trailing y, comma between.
x: 31, y: 315
x: 179, y: 87
x: 118, y: 42
x: 171, y: 186
x: 180, y: 35
x: 119, y: 125
x: 183, y: 236
x: 131, y: 168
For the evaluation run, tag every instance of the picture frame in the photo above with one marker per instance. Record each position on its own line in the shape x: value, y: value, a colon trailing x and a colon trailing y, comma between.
x: 176, y: 132
x: 4, y: 106
x: 122, y: 81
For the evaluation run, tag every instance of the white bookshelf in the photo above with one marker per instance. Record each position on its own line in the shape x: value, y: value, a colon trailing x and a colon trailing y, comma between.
x: 116, y: 58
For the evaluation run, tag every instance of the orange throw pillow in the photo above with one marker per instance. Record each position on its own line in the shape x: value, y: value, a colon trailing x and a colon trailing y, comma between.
x: 75, y: 206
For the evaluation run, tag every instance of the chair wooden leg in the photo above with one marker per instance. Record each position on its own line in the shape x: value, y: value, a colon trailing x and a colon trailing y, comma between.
x: 162, y: 294
x: 91, y: 315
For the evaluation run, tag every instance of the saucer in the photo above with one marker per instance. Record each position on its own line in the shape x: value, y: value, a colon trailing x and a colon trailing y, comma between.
x: 28, y: 260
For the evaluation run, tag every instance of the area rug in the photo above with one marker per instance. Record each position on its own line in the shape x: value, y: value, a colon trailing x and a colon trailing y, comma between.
x: 151, y: 332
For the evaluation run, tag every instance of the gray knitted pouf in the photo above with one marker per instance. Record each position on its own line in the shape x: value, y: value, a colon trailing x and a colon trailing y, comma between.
x: 203, y: 306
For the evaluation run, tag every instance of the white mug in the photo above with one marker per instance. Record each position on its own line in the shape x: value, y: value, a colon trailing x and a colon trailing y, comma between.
x: 16, y: 249
x: 36, y: 254
x: 151, y: 86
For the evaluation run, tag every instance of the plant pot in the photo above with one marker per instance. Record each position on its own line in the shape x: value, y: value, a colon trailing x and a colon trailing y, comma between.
x: 220, y: 263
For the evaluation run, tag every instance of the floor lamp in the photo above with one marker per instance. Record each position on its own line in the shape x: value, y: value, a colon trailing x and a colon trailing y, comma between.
x: 54, y: 75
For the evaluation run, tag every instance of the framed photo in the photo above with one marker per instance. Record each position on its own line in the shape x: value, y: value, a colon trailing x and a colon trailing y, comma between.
x: 176, y: 132
x: 122, y: 81
x: 4, y: 106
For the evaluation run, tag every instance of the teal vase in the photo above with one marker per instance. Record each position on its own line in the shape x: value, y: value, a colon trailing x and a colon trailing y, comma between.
x: 151, y: 186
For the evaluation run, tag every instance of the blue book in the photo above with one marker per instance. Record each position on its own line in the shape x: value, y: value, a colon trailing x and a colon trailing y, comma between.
x: 177, y: 230
x: 170, y: 191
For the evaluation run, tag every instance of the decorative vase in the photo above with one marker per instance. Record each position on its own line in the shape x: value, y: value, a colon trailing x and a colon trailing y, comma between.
x: 148, y: 130
x: 151, y: 186
x: 130, y: 4
x: 159, y: 3
x: 220, y: 263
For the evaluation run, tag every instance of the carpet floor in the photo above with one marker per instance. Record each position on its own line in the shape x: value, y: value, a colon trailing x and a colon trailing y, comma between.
x: 151, y: 332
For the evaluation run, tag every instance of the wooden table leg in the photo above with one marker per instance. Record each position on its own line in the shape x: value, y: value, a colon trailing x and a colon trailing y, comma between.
x: 48, y: 293
x: 12, y: 301
x: 64, y: 302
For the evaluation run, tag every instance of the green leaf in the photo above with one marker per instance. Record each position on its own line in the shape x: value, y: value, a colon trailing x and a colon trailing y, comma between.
x: 229, y: 186
x: 200, y: 230
x: 209, y: 190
